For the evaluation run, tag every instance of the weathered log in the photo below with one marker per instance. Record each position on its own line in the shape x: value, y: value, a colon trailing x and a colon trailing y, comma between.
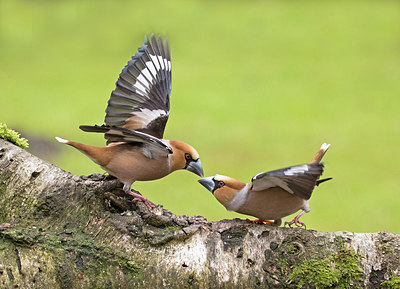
x: 58, y: 230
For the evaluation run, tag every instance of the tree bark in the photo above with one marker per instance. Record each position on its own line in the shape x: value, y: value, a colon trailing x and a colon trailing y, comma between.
x: 58, y: 230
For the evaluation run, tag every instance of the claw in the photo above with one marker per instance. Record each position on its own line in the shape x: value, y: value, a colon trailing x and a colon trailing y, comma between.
x: 139, y: 197
x: 296, y: 221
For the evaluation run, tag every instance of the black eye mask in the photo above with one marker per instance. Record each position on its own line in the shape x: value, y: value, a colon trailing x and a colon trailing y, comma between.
x: 218, y: 184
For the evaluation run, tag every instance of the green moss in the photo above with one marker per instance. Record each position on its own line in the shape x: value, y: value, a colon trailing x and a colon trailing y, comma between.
x: 292, y: 248
x: 314, y: 272
x: 12, y: 136
x: 129, y: 264
x: 340, y: 270
x: 282, y: 264
x: 50, y: 241
x: 386, y: 248
x: 77, y: 242
x: 172, y: 228
x: 392, y: 283
x: 347, y: 263
x: 21, y: 236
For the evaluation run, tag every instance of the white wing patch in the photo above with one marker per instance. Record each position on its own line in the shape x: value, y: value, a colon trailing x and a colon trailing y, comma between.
x: 161, y: 60
x: 140, y: 89
x: 160, y: 63
x: 151, y: 67
x: 143, y: 80
x: 146, y: 115
x: 155, y: 61
x: 166, y: 64
x: 271, y: 182
x: 146, y: 76
x: 296, y: 170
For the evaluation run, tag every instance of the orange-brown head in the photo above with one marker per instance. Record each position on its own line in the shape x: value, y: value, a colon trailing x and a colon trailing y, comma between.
x: 185, y: 157
x: 228, y: 191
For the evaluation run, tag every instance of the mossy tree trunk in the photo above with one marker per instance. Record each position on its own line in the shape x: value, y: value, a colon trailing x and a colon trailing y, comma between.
x: 58, y: 230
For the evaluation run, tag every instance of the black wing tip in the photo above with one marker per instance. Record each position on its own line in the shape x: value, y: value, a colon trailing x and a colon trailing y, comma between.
x: 153, y: 36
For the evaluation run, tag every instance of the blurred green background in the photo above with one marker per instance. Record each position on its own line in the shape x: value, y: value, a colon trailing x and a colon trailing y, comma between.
x: 257, y: 85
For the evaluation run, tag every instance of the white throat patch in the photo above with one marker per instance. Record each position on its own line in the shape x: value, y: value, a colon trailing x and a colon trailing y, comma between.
x: 239, y: 199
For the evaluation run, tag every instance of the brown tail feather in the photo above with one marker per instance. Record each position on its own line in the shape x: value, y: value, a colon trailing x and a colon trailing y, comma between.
x: 96, y: 154
x: 320, y: 154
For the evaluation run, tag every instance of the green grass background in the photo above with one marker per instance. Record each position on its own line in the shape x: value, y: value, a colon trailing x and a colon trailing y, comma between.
x: 257, y: 85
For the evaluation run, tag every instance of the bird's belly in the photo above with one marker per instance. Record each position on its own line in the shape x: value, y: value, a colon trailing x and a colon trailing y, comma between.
x: 135, y: 166
x: 271, y: 204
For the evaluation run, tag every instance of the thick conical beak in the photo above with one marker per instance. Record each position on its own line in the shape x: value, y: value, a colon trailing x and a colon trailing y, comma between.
x: 208, y: 183
x: 195, y: 167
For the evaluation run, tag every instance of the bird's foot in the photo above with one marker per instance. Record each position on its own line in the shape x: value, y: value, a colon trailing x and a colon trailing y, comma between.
x: 139, y: 197
x: 296, y: 221
x: 260, y: 221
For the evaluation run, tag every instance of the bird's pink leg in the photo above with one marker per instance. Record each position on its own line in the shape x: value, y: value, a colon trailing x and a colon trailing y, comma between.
x: 296, y: 221
x: 139, y: 197
x: 261, y: 221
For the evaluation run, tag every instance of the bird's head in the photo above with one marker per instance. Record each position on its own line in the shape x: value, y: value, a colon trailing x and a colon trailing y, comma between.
x: 223, y: 188
x: 185, y: 157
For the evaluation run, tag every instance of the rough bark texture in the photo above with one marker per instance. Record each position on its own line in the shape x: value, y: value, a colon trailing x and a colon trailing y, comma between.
x: 58, y: 230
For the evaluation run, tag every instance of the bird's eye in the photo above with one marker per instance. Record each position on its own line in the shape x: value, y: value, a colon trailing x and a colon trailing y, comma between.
x: 221, y: 184
x: 188, y: 156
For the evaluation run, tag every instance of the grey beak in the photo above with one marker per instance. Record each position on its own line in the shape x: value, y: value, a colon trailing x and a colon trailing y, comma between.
x: 195, y: 167
x: 208, y: 183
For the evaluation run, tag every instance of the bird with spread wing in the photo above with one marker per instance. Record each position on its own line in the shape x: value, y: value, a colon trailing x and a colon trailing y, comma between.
x: 136, y: 116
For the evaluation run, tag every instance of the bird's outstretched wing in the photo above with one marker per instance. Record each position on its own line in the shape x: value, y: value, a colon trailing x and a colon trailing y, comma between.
x: 298, y: 180
x: 117, y: 134
x: 141, y: 99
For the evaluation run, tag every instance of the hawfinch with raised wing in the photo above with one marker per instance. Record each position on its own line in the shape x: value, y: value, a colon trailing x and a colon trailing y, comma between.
x: 271, y: 195
x: 136, y: 116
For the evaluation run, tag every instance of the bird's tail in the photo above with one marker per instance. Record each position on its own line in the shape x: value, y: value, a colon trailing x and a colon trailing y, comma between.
x: 88, y: 150
x: 320, y: 154
x: 76, y: 145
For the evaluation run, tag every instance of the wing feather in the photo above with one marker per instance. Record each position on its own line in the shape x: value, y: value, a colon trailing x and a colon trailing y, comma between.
x: 141, y: 99
x: 117, y: 134
x: 298, y: 180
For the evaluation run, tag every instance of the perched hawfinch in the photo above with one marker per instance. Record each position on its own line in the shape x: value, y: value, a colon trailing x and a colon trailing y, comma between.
x: 136, y: 116
x: 271, y: 195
